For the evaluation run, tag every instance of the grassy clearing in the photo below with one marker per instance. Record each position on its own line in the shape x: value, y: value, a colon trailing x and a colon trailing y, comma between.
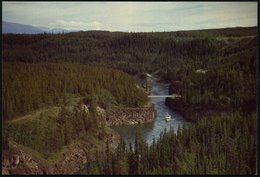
x: 71, y: 101
x: 38, y: 132
x: 38, y: 114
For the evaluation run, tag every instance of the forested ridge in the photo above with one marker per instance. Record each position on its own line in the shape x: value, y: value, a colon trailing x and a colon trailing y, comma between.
x: 227, y: 55
x: 43, y: 102
x: 28, y: 87
x: 216, y: 70
x: 131, y: 52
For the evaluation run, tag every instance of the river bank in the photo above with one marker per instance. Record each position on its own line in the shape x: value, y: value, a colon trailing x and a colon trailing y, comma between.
x: 74, y: 156
x: 153, y: 129
x: 188, y: 111
x: 129, y: 116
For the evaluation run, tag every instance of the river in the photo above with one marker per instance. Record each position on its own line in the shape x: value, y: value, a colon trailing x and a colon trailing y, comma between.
x: 153, y: 129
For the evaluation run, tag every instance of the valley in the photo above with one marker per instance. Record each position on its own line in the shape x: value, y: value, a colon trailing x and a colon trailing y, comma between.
x: 79, y: 102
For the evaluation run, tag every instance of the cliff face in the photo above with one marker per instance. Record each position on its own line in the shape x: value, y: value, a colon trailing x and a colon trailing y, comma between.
x: 70, y: 160
x: 28, y: 164
x: 130, y: 116
x: 73, y: 158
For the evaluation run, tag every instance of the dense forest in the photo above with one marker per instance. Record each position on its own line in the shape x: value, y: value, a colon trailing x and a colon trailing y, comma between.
x: 130, y: 52
x: 216, y: 69
x: 42, y: 106
x: 28, y: 87
x: 228, y: 55
x: 214, y: 145
x: 222, y: 82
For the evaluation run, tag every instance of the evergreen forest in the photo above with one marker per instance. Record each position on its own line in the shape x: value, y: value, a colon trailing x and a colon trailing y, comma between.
x: 45, y: 74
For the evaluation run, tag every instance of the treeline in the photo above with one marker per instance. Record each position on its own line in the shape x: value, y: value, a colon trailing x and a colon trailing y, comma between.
x: 27, y: 87
x: 223, y: 144
x: 216, y: 69
x: 131, y: 52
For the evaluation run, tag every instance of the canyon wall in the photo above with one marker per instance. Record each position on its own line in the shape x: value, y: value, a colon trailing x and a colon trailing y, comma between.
x: 130, y: 116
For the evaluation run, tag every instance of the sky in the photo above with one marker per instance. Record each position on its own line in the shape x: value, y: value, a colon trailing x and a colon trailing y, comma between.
x: 131, y: 16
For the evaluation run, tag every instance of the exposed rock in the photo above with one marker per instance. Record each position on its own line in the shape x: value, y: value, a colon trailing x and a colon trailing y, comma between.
x: 20, y: 162
x: 129, y: 116
x: 75, y: 156
x: 71, y: 160
x: 5, y: 171
x: 201, y: 71
x: 84, y: 107
x: 16, y: 160
x: 101, y: 111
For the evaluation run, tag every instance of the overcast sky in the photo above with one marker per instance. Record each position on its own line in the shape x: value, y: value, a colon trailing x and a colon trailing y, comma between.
x: 132, y: 16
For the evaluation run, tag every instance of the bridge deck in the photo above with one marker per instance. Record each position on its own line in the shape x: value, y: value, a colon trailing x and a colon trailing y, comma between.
x: 164, y: 96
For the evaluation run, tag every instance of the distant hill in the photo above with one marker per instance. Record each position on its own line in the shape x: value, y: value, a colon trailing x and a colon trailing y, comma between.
x: 8, y: 27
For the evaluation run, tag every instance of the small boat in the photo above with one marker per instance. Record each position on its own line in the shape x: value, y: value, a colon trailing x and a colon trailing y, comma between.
x: 168, y: 117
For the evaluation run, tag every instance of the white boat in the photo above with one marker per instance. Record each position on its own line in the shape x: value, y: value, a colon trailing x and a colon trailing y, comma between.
x: 168, y: 117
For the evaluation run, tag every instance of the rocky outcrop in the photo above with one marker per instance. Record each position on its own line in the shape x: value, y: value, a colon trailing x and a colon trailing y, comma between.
x: 130, y: 116
x: 74, y: 157
x: 70, y: 160
x: 125, y: 116
x: 27, y: 164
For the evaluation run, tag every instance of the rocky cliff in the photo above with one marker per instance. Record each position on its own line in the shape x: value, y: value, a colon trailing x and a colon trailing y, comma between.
x: 70, y: 160
x: 130, y: 116
x: 73, y: 157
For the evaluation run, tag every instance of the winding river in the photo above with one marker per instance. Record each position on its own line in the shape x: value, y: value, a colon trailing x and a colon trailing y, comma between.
x: 153, y: 129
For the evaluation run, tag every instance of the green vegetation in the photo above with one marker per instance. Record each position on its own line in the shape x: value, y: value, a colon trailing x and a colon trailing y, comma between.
x: 228, y: 55
x: 105, y: 99
x: 49, y: 130
x: 28, y: 87
x: 229, y: 81
x: 130, y: 52
x: 223, y: 144
x: 216, y: 69
x: 50, y: 97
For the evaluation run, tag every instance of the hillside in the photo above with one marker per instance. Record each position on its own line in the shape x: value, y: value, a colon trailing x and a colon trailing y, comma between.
x: 28, y: 87
x: 17, y: 28
x: 226, y: 53
x: 51, y: 107
x: 48, y: 77
x: 131, y: 52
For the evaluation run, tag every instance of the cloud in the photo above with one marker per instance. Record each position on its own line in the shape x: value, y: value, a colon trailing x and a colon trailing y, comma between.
x: 94, y: 25
x: 132, y: 16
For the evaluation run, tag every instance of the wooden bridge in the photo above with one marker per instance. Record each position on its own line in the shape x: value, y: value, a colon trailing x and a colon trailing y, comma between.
x: 164, y: 96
